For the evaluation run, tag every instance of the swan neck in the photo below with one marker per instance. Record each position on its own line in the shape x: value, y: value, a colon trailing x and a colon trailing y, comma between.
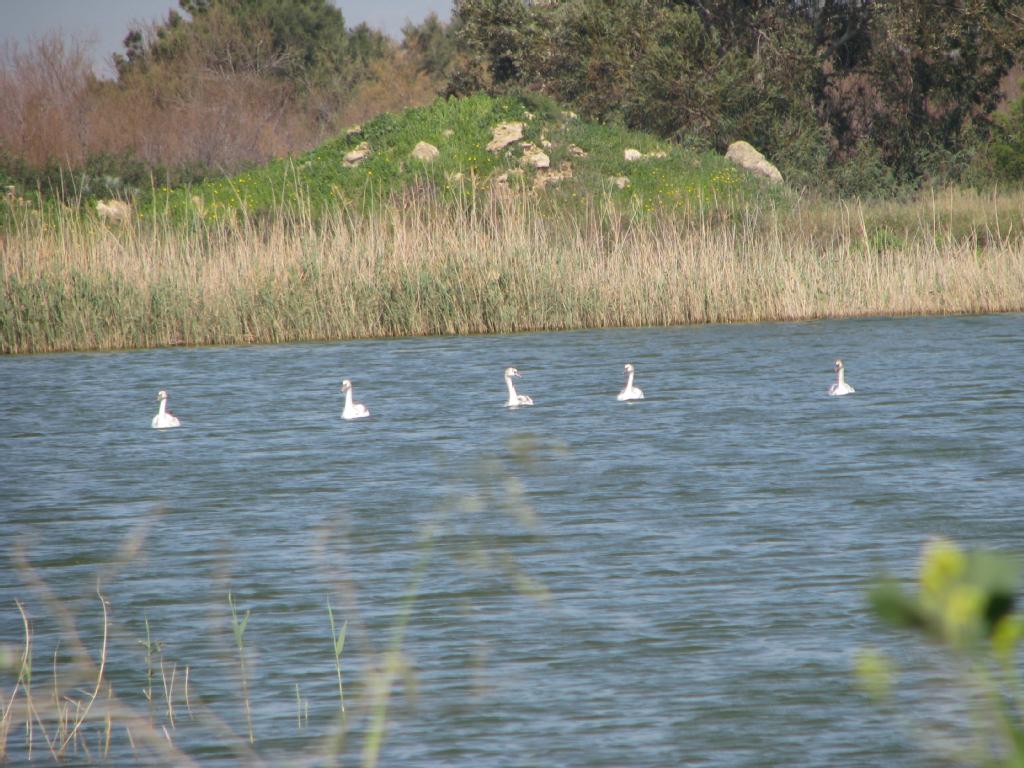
x: 839, y: 377
x: 511, y: 389
x: 629, y: 380
x: 348, y: 398
x: 163, y: 406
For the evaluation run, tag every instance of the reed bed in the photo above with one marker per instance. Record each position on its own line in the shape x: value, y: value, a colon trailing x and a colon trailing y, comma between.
x: 497, y: 264
x: 73, y: 711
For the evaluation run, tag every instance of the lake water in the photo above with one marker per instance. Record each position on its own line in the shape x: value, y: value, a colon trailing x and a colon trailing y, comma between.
x: 678, y: 581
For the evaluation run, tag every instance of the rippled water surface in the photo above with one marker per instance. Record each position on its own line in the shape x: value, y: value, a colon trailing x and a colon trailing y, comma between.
x: 678, y: 581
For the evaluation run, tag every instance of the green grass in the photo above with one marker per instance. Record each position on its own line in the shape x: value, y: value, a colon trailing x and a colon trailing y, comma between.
x: 318, y: 181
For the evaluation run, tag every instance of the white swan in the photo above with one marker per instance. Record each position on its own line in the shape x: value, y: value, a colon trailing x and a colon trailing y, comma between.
x: 629, y: 392
x: 840, y: 387
x: 164, y: 419
x: 352, y: 410
x: 515, y: 399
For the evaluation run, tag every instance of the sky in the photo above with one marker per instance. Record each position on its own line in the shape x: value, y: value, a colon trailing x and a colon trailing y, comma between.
x: 104, y: 23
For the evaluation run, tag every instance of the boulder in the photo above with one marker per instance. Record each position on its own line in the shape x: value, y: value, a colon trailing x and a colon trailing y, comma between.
x: 745, y: 156
x: 577, y: 151
x: 113, y: 210
x: 535, y: 157
x: 425, y: 152
x: 632, y: 155
x: 357, y: 155
x: 547, y: 176
x: 504, y: 134
x: 619, y: 181
x: 509, y: 175
x: 502, y: 184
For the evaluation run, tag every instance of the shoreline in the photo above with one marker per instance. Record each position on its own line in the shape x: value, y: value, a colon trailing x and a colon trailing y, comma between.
x: 75, y: 284
x: 521, y: 331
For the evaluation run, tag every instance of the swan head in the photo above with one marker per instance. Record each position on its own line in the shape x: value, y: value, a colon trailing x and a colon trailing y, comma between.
x: 629, y: 367
x: 346, y: 385
x: 510, y: 372
x: 161, y: 395
x: 838, y: 366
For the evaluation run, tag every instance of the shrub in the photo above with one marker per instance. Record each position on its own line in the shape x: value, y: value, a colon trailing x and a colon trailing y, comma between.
x: 1003, y: 159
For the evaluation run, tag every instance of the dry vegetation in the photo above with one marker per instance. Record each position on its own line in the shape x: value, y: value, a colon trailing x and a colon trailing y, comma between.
x: 185, y: 114
x: 429, y: 268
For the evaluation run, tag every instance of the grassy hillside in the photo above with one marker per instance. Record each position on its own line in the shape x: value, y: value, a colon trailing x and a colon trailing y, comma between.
x: 308, y: 248
x: 319, y: 181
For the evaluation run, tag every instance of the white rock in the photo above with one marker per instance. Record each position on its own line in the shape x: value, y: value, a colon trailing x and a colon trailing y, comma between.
x: 113, y: 210
x: 619, y: 181
x: 577, y: 151
x: 745, y: 156
x: 547, y: 176
x: 503, y: 183
x: 504, y: 134
x: 357, y: 155
x: 425, y: 152
x: 632, y: 155
x: 535, y: 157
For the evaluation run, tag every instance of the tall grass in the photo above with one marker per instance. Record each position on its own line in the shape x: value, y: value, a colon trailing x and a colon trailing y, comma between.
x: 498, y: 263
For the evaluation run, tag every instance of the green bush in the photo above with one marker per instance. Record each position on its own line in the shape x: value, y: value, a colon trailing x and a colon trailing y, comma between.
x: 1003, y: 158
x: 964, y: 602
x: 101, y: 176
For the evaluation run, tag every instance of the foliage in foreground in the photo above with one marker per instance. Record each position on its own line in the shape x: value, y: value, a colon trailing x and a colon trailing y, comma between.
x: 104, y: 688
x: 965, y: 602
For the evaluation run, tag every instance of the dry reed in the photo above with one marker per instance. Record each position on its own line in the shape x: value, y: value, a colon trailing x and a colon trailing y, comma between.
x: 502, y: 264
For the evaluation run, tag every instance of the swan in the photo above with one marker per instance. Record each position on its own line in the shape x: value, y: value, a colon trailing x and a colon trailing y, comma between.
x: 515, y: 399
x: 629, y: 392
x: 164, y: 419
x: 840, y: 387
x: 352, y: 410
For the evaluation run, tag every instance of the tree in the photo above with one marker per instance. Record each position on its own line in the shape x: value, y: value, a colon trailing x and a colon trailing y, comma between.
x: 915, y: 77
x: 431, y: 44
x: 811, y: 82
x: 500, y: 39
x: 301, y: 41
